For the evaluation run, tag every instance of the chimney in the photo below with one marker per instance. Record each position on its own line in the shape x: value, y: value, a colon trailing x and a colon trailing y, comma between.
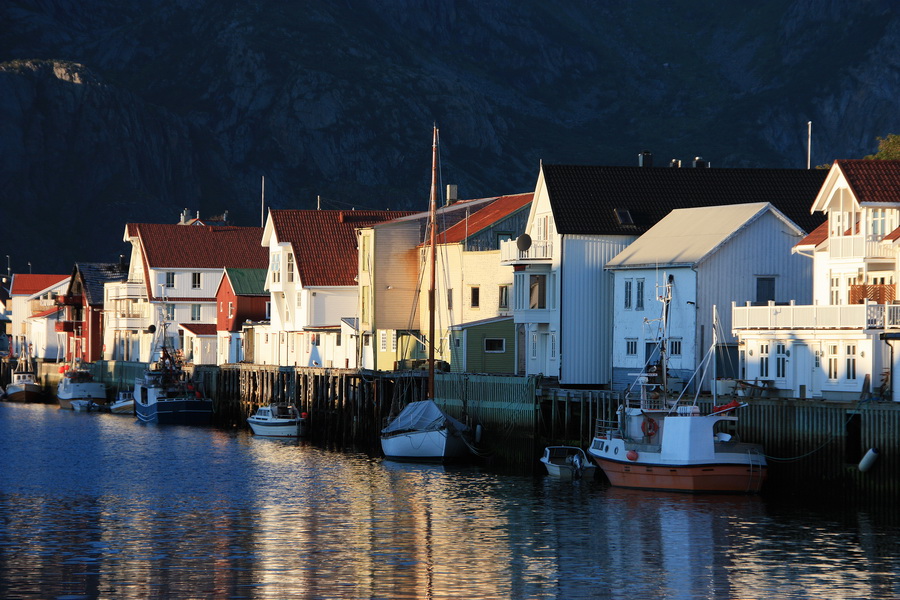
x: 184, y: 216
x: 645, y: 159
x: 452, y: 194
x: 699, y: 163
x: 675, y: 163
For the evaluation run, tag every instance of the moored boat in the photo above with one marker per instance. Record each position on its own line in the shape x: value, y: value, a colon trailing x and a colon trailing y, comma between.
x: 278, y: 420
x: 79, y: 384
x: 123, y: 404
x: 164, y: 395
x: 424, y: 432
x: 661, y: 441
x: 568, y: 462
x: 23, y: 386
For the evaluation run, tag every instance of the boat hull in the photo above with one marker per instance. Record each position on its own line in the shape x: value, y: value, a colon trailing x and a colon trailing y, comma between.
x: 424, y: 446
x: 282, y: 429
x: 720, y: 478
x: 561, y: 463
x: 92, y: 392
x: 24, y: 393
x: 176, y: 411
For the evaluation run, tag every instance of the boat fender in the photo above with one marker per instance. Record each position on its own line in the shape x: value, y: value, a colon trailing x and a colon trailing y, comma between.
x: 478, y: 433
x: 649, y: 427
x: 868, y: 460
x: 632, y: 455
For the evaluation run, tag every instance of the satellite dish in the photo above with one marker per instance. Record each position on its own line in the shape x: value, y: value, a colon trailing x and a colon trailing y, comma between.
x: 152, y: 328
x: 523, y: 242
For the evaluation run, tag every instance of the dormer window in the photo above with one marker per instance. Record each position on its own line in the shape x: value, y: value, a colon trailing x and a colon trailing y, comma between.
x: 623, y: 215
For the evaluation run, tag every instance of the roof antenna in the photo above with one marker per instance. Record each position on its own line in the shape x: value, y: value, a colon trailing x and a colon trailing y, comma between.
x: 808, y: 143
x: 262, y: 206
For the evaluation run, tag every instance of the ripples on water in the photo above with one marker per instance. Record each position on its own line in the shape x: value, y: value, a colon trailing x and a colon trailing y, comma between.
x: 98, y: 506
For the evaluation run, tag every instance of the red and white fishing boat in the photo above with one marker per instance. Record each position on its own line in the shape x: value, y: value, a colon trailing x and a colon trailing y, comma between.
x: 661, y: 441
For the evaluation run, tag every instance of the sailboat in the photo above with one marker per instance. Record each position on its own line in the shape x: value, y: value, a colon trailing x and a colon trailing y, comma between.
x: 662, y: 442
x: 422, y: 431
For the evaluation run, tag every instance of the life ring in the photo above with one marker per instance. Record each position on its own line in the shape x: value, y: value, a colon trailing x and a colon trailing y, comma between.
x: 649, y: 427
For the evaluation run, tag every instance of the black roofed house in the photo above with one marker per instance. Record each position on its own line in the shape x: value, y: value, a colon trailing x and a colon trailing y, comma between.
x: 581, y: 218
x: 81, y: 327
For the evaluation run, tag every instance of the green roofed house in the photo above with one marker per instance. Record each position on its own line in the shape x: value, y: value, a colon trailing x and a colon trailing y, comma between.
x: 241, y: 297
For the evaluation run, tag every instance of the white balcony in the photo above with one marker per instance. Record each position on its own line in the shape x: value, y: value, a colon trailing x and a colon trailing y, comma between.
x: 841, y: 316
x: 128, y: 290
x: 539, y: 251
x: 858, y: 246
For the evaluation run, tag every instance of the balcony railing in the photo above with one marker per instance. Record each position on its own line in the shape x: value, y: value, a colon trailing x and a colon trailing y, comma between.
x: 877, y: 293
x: 858, y: 246
x: 841, y: 316
x: 540, y: 250
x: 130, y: 289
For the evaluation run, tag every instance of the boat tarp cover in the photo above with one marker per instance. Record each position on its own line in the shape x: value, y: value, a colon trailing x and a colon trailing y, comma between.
x: 422, y: 416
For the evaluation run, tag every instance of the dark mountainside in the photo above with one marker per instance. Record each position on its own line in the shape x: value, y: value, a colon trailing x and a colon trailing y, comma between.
x: 133, y: 110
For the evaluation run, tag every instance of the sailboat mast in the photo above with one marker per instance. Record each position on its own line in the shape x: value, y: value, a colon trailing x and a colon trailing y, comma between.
x: 432, y: 238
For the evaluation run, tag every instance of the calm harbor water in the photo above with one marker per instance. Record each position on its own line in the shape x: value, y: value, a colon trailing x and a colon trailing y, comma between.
x: 99, y: 506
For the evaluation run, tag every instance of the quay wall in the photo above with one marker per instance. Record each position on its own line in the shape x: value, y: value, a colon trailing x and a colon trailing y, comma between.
x: 812, y: 446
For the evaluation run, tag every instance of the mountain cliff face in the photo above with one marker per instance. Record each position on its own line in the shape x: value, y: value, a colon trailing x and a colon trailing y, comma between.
x: 133, y: 110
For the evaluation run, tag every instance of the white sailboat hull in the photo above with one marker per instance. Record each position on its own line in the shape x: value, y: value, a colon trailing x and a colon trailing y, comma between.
x: 437, y: 445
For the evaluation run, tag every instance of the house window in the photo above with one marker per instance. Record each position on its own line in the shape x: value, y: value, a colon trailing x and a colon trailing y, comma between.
x: 364, y: 316
x: 299, y: 298
x: 639, y: 294
x: 674, y: 347
x: 832, y: 359
x: 195, y: 281
x: 170, y: 279
x: 538, y: 291
x: 764, y: 361
x: 231, y: 310
x: 393, y: 341
x: 765, y: 290
x: 315, y: 339
x: 533, y: 345
x: 337, y: 339
x: 628, y: 284
x: 504, y: 297
x: 475, y: 296
x: 450, y: 299
x: 835, y: 291
x: 364, y: 253
x: 290, y: 266
x: 384, y: 341
x: 851, y: 362
x: 195, y: 312
x: 494, y: 345
x: 367, y: 340
x: 631, y: 347
x: 169, y: 312
x: 552, y: 346
x: 780, y: 361
x: 268, y: 309
x: 276, y: 267
x: 879, y: 218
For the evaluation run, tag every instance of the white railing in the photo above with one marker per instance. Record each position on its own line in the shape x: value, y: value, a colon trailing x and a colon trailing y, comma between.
x: 538, y: 251
x: 130, y: 289
x: 841, y: 316
x: 858, y: 246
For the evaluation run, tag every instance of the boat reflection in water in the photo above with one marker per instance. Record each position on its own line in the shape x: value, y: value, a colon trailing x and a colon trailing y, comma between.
x: 225, y: 514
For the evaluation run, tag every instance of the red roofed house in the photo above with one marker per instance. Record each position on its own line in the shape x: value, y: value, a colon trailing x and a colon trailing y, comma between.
x: 312, y: 282
x: 33, y: 314
x: 80, y: 328
x: 841, y: 346
x: 173, y: 276
x: 472, y: 289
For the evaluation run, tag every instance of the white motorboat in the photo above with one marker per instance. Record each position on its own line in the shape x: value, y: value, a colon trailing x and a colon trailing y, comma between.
x: 568, y: 462
x: 82, y: 405
x: 123, y: 404
x: 278, y: 420
x: 79, y: 384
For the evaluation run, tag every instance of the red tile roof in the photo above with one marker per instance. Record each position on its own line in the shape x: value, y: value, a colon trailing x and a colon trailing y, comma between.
x: 872, y: 180
x: 199, y: 328
x: 177, y: 246
x: 324, y: 241
x: 27, y: 284
x: 487, y: 216
x: 818, y: 235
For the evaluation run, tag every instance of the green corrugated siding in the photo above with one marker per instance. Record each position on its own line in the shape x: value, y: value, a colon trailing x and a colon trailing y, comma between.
x: 496, y: 401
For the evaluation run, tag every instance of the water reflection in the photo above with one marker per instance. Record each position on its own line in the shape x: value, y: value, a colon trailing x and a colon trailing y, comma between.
x: 97, y: 506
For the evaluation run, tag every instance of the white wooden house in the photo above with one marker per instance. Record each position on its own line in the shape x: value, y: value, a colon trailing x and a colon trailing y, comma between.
x: 33, y: 314
x: 668, y: 281
x: 312, y: 282
x: 840, y: 346
x: 173, y: 275
x: 581, y: 218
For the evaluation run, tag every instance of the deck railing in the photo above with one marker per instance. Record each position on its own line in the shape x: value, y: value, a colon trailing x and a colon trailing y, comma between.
x: 840, y: 316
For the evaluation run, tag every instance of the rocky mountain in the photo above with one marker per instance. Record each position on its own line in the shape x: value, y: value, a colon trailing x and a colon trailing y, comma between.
x: 132, y: 110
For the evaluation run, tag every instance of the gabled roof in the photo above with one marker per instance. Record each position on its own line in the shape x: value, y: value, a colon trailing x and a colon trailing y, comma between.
x: 94, y: 275
x: 585, y: 199
x: 499, y: 209
x: 324, y: 241
x: 687, y: 236
x: 199, y: 328
x: 168, y: 246
x: 28, y: 284
x: 247, y: 282
x: 872, y: 181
